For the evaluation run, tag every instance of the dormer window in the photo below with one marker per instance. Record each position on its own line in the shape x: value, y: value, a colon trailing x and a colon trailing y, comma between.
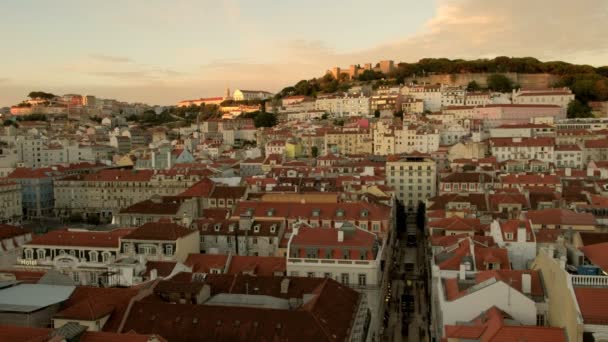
x: 256, y: 228
x: 316, y: 212
x: 340, y: 213
x: 346, y: 254
x: 270, y: 212
x: 29, y: 254
x: 509, y: 236
x: 217, y: 227
x: 273, y: 228
x: 231, y: 227
x: 364, y: 213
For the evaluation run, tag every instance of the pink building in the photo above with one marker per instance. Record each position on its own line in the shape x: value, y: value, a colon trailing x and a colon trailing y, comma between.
x: 501, y: 114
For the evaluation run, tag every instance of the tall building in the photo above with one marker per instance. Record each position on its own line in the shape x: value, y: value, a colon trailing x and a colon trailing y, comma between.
x: 413, y: 177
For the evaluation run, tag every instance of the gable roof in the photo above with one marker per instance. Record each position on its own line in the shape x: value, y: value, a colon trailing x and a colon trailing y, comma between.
x: 80, y: 238
x: 164, y: 231
x: 561, y: 217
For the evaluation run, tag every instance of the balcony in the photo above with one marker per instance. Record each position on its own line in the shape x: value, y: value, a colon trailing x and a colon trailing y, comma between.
x: 332, y: 261
x: 585, y: 280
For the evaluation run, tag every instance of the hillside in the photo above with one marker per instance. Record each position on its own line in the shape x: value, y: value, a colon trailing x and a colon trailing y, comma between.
x: 587, y: 82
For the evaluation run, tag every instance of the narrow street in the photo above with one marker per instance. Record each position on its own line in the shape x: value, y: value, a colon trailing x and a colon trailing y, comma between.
x: 407, y: 302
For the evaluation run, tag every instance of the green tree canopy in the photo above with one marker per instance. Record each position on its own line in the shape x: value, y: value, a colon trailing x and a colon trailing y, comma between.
x: 473, y: 86
x: 498, y: 82
x: 577, y: 109
x: 40, y: 95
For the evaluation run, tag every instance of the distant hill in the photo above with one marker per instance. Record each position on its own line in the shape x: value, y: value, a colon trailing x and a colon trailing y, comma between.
x: 587, y: 82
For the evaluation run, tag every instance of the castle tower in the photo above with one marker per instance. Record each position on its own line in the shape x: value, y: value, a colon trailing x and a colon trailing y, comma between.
x: 227, y: 94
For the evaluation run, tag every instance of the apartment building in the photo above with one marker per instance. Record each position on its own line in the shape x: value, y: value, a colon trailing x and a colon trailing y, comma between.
x: 352, y: 142
x: 554, y: 96
x: 385, y: 102
x: 105, y: 192
x: 346, y: 105
x: 81, y: 254
x: 243, y: 95
x: 429, y: 94
x: 414, y: 178
x: 542, y: 149
x: 11, y: 210
x: 160, y: 241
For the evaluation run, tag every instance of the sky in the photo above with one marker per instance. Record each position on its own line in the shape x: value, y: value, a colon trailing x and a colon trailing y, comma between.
x: 163, y: 51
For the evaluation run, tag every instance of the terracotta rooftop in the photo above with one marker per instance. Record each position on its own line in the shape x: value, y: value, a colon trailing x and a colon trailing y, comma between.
x: 7, y: 231
x: 80, y: 238
x: 327, y: 316
x: 163, y: 231
x: 155, y: 206
x: 597, y: 254
x: 561, y: 217
x: 593, y: 302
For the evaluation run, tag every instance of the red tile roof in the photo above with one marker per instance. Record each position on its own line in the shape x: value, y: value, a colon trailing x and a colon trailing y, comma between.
x: 527, y: 142
x: 88, y: 309
x: 80, y: 238
x: 329, y: 237
x: 597, y: 143
x: 257, y: 265
x: 203, y: 263
x: 457, y: 223
x: 202, y: 188
x: 100, y: 300
x: 163, y: 231
x: 561, y: 217
x: 328, y: 316
x: 7, y: 232
x: 100, y: 336
x: 155, y: 206
x: 10, y: 333
x: 597, y: 254
x: 490, y: 326
x: 514, y: 279
x: 163, y: 268
x: 593, y: 302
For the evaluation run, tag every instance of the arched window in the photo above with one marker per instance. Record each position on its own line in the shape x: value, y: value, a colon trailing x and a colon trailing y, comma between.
x: 93, y: 256
x: 40, y: 253
x: 29, y: 254
x: 106, y: 257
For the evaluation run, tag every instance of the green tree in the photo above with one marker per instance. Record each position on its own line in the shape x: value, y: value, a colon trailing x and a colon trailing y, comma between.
x: 376, y: 113
x: 314, y: 151
x: 398, y: 114
x: 40, y: 95
x: 324, y: 116
x: 577, y: 109
x: 473, y: 86
x: 501, y: 83
x: 263, y: 119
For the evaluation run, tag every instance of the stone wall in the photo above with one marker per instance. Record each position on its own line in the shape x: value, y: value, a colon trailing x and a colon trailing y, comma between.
x: 527, y: 81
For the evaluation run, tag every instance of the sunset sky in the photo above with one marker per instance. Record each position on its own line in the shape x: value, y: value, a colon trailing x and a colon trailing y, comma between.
x: 160, y: 52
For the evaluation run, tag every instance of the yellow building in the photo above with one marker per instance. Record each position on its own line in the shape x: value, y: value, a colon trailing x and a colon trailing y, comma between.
x: 349, y: 142
x: 293, y: 149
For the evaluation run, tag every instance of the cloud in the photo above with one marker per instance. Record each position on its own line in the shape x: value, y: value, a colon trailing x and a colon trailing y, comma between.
x: 546, y: 29
x: 4, y: 79
x: 110, y: 59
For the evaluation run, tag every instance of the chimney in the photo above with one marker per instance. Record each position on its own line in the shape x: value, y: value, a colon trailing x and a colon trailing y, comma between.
x: 462, y: 274
x: 568, y: 172
x: 526, y: 283
x: 153, y: 274
x: 521, y: 232
x: 340, y: 236
x: 284, y: 285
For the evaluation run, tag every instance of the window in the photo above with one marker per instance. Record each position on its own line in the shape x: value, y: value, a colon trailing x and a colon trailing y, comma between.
x: 540, y: 320
x: 105, y: 257
x: 29, y: 254
x: 295, y: 274
x: 256, y: 228
x: 168, y: 249
x: 362, y: 279
x: 327, y: 275
x: 254, y: 241
x: 344, y: 278
x: 40, y: 254
x: 93, y: 256
x: 311, y: 274
x: 509, y: 236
